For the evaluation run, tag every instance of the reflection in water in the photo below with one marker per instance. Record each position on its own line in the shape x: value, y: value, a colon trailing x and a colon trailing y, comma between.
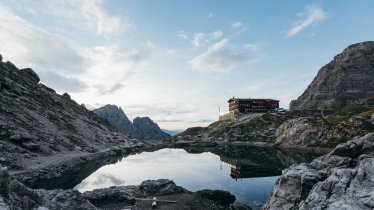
x: 247, y: 172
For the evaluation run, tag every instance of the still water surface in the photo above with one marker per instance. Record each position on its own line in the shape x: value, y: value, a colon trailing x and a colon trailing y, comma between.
x: 247, y: 172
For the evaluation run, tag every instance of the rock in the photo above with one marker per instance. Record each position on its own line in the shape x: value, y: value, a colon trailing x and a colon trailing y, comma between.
x: 66, y: 95
x: 125, y: 194
x: 348, y: 79
x: 1, y: 58
x: 239, y: 206
x: 31, y: 146
x: 10, y: 66
x: 4, y: 180
x: 297, y: 131
x: 30, y: 74
x: 159, y: 187
x: 343, y: 179
x: 222, y: 197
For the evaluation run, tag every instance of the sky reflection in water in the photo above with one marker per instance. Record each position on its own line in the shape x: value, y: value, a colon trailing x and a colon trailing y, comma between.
x: 191, y: 171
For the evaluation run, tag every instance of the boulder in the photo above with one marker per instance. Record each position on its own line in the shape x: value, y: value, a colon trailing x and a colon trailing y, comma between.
x: 222, y: 197
x: 159, y: 187
x: 30, y: 74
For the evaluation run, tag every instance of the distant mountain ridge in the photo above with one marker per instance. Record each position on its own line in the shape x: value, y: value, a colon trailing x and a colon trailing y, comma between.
x: 347, y: 80
x: 173, y: 132
x: 141, y: 128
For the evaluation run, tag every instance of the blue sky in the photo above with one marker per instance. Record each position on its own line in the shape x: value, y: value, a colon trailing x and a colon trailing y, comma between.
x: 178, y: 61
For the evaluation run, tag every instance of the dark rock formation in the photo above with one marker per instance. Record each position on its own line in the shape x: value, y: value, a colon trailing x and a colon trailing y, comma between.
x: 136, y: 197
x: 348, y: 79
x: 118, y: 118
x: 149, y: 129
x: 142, y: 127
x: 343, y: 179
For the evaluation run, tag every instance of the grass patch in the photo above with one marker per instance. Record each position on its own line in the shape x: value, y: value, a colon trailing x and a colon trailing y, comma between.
x: 218, y: 123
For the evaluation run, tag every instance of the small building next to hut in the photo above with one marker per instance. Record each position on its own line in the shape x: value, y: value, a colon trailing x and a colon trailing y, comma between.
x: 252, y: 105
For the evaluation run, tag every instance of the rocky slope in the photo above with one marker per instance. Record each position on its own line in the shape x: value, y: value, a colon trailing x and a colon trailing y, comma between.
x: 343, y: 179
x: 44, y: 135
x: 347, y: 80
x: 142, y: 127
x: 118, y: 118
x: 149, y: 129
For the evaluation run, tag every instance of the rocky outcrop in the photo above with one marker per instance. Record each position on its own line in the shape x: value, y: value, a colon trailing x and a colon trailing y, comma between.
x: 149, y: 129
x: 298, y: 131
x: 343, y: 179
x: 118, y: 118
x: 142, y: 127
x: 348, y: 79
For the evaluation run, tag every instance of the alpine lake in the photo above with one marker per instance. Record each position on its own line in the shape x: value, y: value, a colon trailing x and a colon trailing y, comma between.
x: 247, y: 172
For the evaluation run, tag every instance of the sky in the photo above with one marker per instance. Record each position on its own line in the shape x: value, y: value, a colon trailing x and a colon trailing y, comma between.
x: 176, y: 61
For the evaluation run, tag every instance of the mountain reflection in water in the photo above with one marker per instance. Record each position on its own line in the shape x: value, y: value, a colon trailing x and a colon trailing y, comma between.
x: 247, y: 172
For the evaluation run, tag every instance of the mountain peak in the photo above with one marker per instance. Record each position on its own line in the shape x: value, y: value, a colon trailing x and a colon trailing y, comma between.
x: 347, y: 80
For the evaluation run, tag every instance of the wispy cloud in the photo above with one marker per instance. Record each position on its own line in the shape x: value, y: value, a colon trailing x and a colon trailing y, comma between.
x: 222, y: 56
x: 102, y: 90
x: 88, y: 14
x: 237, y: 25
x: 182, y: 35
x: 111, y: 64
x: 311, y: 15
x: 27, y: 44
x: 201, y: 39
x: 60, y: 82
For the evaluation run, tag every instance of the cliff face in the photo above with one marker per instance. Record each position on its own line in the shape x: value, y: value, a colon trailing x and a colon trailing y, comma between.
x: 142, y: 127
x: 118, y: 118
x: 343, y: 179
x: 37, y: 124
x: 347, y: 80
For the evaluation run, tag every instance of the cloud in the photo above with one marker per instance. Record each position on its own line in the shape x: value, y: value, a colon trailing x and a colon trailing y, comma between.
x: 203, y: 38
x: 111, y: 64
x: 103, y: 90
x: 221, y: 56
x: 62, y: 83
x: 311, y: 15
x: 87, y: 14
x: 55, y: 55
x: 163, y: 120
x: 182, y: 35
x: 28, y: 45
x: 237, y: 25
